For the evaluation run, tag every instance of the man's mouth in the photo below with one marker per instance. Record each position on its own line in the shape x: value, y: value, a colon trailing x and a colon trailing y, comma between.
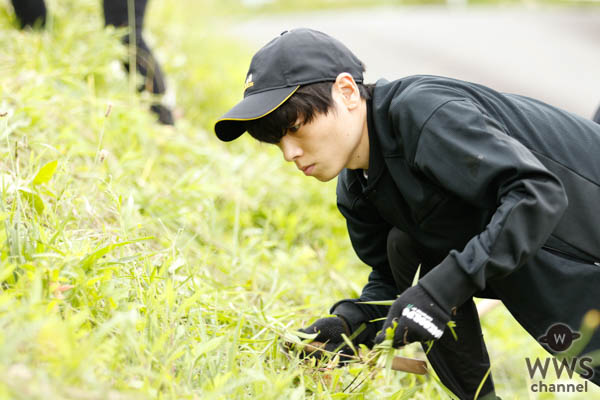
x: 308, y: 169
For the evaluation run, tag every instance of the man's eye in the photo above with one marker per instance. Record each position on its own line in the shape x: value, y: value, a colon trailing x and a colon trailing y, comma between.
x: 294, y: 128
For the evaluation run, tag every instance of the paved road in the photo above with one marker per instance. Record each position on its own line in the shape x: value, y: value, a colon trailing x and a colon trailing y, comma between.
x: 550, y: 53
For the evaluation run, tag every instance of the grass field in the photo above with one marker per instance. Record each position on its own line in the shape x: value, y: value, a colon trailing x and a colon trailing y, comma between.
x: 141, y: 261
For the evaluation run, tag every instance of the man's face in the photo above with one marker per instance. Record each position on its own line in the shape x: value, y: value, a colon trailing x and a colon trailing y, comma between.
x: 330, y: 142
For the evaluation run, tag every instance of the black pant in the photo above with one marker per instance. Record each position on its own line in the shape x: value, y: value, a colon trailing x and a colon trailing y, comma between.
x: 116, y: 14
x: 460, y: 364
x: 30, y: 12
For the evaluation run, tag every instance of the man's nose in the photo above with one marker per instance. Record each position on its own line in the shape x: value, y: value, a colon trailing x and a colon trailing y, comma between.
x: 289, y: 148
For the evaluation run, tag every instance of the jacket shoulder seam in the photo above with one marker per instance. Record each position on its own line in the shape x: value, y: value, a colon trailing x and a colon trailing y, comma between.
x: 566, y: 167
x: 422, y: 127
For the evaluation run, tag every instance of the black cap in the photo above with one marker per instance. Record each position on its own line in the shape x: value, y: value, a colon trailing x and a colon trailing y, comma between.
x: 294, y: 58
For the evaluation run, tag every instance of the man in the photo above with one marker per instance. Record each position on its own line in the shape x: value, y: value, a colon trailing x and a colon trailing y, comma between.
x: 493, y: 195
x: 32, y: 13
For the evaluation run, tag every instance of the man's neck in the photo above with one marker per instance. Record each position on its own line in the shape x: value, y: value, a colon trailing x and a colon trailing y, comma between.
x: 360, y: 157
x: 364, y: 148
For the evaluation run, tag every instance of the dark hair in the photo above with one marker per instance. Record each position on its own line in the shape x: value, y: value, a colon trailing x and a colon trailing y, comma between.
x: 308, y: 101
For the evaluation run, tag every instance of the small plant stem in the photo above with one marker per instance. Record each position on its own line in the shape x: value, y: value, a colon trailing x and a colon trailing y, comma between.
x: 132, y: 47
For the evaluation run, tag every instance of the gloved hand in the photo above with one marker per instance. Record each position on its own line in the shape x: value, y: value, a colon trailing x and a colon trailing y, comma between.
x: 419, y: 318
x: 330, y: 332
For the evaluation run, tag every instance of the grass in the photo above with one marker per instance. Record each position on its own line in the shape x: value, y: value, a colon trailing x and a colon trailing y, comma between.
x: 142, y: 261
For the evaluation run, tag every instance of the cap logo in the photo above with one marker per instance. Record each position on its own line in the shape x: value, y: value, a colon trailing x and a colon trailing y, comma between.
x: 249, y: 82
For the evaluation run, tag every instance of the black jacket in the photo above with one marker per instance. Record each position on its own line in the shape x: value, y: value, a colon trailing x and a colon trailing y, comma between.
x: 503, y: 190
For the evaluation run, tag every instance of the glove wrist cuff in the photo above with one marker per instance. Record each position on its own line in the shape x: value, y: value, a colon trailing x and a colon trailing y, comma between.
x: 350, y: 313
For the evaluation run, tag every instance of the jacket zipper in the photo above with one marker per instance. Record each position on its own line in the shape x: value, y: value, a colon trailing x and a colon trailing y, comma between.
x: 571, y: 256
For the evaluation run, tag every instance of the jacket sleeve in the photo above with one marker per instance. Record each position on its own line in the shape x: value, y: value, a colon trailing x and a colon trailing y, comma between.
x: 368, y: 235
x: 468, y: 153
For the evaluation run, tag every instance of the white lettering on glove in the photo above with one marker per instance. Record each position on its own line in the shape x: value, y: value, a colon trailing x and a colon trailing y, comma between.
x: 423, y: 319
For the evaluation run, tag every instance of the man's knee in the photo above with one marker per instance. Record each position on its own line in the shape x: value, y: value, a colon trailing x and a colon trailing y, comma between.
x: 402, y: 257
x: 398, y: 241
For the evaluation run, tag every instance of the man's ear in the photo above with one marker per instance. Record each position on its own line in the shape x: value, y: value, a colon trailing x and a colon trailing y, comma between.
x: 347, y: 89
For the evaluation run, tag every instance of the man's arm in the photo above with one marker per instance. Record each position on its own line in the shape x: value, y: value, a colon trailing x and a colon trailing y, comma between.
x: 467, y: 153
x: 369, y: 236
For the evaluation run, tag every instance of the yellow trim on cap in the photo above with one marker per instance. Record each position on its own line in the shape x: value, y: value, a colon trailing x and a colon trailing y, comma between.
x: 265, y: 114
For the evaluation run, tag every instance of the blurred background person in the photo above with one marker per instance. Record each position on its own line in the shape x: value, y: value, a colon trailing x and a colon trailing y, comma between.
x: 32, y: 13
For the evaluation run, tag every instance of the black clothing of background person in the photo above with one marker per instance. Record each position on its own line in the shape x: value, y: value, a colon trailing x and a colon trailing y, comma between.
x: 29, y: 12
x: 116, y: 14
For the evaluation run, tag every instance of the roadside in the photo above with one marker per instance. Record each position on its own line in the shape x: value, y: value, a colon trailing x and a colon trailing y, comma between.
x: 550, y: 53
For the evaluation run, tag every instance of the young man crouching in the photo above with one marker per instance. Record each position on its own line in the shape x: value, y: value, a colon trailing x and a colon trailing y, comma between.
x: 494, y: 195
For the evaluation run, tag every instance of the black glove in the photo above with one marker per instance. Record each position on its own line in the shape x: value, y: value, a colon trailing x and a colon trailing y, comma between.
x: 418, y: 318
x: 330, y: 332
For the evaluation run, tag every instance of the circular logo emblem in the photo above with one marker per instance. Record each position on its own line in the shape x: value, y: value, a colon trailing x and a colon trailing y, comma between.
x: 559, y: 337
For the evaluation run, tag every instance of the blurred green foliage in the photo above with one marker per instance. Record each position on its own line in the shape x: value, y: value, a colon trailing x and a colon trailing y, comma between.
x: 142, y: 261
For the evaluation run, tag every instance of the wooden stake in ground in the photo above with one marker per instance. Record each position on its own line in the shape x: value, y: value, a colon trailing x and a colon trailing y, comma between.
x: 399, y: 363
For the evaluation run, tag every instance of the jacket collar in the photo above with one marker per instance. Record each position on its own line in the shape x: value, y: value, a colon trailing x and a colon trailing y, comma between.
x: 376, y: 163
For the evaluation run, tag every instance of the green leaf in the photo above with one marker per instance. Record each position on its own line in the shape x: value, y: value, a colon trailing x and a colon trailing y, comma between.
x: 207, y: 347
x: 7, y: 271
x: 408, y: 393
x: 452, y: 325
x: 90, y: 259
x: 377, y: 303
x: 45, y: 173
x: 482, y: 382
x: 34, y: 199
x: 303, y: 335
x: 348, y: 343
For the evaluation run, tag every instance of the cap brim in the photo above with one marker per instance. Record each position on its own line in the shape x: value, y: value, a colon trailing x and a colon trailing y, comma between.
x: 231, y: 125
